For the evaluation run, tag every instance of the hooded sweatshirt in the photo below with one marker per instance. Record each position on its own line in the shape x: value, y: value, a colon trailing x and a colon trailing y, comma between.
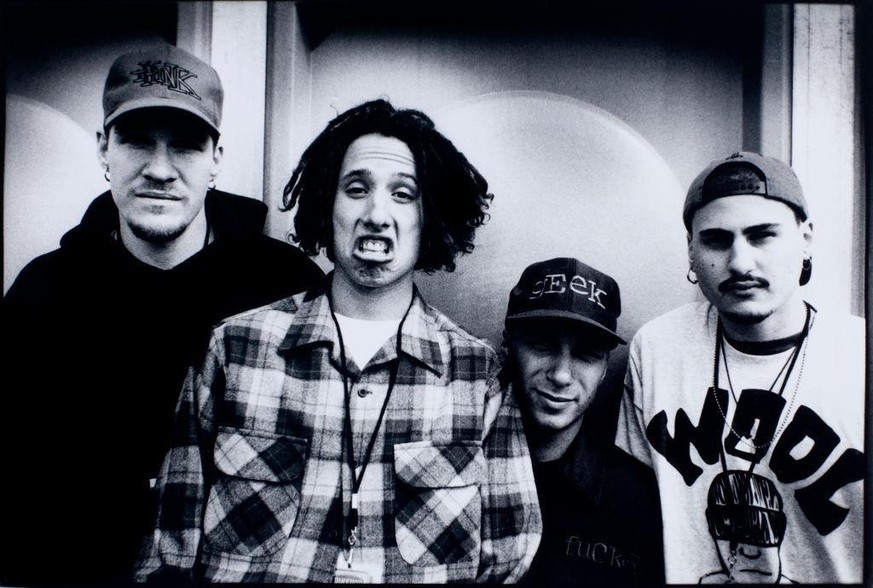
x: 97, y: 347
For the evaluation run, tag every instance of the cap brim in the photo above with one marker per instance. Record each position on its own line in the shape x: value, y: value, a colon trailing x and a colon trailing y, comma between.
x: 155, y: 102
x: 564, y: 315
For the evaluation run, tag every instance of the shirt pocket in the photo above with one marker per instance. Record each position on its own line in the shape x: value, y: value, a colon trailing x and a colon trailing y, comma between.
x: 437, y: 502
x: 254, y: 501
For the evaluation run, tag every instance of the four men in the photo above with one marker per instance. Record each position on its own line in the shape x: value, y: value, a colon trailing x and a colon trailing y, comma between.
x: 353, y: 433
x: 750, y: 406
x: 100, y: 332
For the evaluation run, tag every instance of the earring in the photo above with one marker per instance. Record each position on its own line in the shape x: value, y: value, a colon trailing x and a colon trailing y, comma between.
x: 805, y: 271
x: 106, y: 174
x: 688, y: 276
x: 211, y: 185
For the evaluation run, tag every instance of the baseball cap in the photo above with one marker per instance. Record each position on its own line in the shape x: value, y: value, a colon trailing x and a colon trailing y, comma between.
x: 162, y: 77
x: 744, y: 173
x: 746, y: 508
x: 566, y: 288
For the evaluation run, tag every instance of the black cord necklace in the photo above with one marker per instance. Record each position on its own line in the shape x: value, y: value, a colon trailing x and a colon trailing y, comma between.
x: 789, y: 363
x: 350, y: 522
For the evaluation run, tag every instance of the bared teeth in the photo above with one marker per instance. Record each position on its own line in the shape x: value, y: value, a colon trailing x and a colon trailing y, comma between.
x: 373, y: 245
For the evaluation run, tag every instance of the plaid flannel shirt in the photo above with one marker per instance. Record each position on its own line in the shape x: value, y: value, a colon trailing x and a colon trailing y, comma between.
x: 250, y: 490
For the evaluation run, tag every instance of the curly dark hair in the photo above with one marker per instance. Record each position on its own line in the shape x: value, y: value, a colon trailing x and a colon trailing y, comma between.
x: 455, y: 196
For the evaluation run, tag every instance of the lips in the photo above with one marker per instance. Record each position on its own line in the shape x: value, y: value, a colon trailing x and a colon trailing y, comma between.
x: 158, y: 195
x: 553, y: 398
x: 741, y: 285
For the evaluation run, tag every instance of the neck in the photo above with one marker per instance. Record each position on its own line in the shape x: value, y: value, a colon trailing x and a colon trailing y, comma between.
x: 551, y: 445
x: 784, y: 322
x: 166, y: 255
x: 375, y: 304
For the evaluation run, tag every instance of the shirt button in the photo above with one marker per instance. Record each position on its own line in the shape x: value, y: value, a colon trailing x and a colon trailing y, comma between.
x: 363, y: 393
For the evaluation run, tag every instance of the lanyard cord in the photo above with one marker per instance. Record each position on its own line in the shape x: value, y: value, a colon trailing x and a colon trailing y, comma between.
x: 719, y: 353
x: 352, y: 522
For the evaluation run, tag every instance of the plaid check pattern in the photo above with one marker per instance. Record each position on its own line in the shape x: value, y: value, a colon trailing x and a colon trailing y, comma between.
x: 250, y: 491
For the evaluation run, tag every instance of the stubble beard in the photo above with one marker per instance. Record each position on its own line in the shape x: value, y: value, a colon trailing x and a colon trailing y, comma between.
x: 157, y: 236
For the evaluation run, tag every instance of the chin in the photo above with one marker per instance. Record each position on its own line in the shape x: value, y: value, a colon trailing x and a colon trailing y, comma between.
x: 157, y: 233
x: 744, y: 315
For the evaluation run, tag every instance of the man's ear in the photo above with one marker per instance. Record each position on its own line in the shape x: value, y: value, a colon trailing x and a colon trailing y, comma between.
x: 217, y: 155
x: 806, y: 232
x: 102, y: 146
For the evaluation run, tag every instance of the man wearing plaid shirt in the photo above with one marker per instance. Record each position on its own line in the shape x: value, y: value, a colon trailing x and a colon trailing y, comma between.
x: 354, y: 433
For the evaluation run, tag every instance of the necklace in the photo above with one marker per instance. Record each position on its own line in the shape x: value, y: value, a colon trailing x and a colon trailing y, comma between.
x: 799, y: 350
x: 351, y: 521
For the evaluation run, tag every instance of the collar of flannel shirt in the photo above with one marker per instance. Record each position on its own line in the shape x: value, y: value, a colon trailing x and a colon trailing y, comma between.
x: 421, y: 341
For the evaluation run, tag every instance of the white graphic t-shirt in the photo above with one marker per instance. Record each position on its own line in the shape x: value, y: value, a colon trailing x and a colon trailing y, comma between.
x: 761, y: 479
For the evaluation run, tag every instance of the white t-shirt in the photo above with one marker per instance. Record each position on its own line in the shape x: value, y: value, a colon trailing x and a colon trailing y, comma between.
x: 792, y: 496
x: 363, y: 338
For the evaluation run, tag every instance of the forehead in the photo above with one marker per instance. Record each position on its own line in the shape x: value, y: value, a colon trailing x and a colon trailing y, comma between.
x: 738, y: 212
x: 378, y: 151
x: 170, y: 122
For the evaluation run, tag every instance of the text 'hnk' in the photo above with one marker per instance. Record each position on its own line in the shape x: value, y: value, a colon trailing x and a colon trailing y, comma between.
x: 167, y: 74
x: 756, y: 418
x: 558, y: 284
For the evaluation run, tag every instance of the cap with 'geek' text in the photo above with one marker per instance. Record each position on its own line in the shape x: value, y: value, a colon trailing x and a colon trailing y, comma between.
x: 566, y: 288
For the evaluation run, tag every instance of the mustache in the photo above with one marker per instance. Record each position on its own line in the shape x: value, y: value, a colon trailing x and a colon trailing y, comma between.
x: 742, y: 282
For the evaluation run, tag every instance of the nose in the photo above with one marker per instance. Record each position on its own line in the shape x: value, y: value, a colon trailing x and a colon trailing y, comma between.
x: 376, y: 215
x: 742, y: 259
x: 159, y: 167
x: 561, y: 370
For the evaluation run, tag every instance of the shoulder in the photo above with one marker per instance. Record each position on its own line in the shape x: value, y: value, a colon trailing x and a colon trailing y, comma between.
x: 40, y: 276
x: 675, y: 326
x: 454, y: 334
x: 271, y: 320
x: 291, y: 256
x: 846, y: 326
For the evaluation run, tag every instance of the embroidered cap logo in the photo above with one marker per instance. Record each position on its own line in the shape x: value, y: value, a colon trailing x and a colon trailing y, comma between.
x: 167, y: 74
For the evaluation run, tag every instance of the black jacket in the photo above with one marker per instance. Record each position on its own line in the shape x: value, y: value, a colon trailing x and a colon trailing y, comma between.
x: 97, y: 345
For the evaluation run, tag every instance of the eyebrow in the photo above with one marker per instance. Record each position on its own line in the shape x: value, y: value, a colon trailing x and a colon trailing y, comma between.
x: 715, y: 231
x: 366, y: 174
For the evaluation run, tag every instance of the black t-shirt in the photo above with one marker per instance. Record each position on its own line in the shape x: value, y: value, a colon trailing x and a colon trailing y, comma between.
x: 601, y: 520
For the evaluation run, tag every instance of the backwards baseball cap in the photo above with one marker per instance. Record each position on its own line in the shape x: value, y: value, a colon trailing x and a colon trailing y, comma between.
x: 162, y: 77
x: 744, y: 173
x: 566, y: 288
x: 746, y: 508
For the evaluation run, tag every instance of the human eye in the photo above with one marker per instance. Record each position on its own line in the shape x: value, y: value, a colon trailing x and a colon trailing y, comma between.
x: 355, y: 189
x: 539, y: 343
x: 588, y: 354
x: 135, y: 140
x: 405, y: 194
x: 716, y: 239
x: 761, y: 236
x: 188, y: 146
x: 404, y: 188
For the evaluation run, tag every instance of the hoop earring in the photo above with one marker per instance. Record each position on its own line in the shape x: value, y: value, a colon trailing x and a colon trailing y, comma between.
x: 688, y: 276
x: 106, y: 174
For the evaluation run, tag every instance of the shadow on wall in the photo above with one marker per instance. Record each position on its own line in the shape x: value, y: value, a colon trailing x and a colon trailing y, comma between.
x: 51, y: 176
x: 569, y: 179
